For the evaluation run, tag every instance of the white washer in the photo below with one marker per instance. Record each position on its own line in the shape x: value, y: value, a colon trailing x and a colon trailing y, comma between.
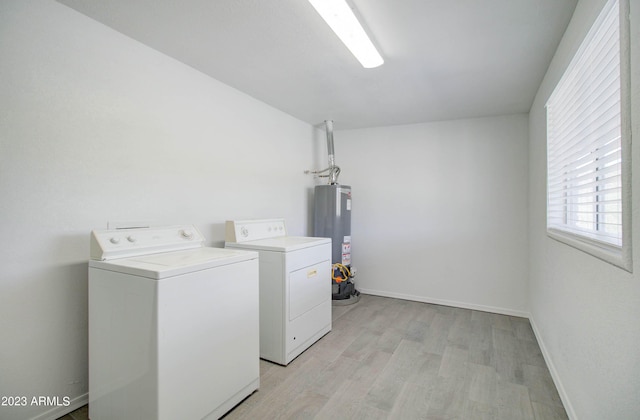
x: 173, y: 325
x: 295, y: 286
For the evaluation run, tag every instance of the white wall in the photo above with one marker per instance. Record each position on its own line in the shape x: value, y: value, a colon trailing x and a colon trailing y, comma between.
x: 440, y: 211
x: 95, y: 127
x: 585, y: 312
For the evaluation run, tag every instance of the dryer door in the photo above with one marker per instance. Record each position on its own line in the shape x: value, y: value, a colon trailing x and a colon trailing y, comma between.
x: 308, y: 287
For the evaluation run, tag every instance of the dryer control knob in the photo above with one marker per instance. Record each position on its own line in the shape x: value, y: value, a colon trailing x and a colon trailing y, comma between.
x: 131, y: 238
x: 187, y: 234
x: 114, y: 240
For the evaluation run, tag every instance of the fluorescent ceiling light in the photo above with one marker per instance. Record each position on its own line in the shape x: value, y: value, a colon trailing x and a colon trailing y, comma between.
x: 341, y: 19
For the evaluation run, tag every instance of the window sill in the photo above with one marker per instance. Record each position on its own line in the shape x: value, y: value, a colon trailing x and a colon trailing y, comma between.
x: 620, y: 257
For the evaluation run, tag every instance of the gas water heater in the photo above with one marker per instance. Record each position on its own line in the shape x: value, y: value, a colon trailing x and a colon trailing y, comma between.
x: 332, y: 219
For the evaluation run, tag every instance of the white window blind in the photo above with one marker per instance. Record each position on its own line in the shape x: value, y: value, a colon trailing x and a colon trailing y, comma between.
x: 584, y: 132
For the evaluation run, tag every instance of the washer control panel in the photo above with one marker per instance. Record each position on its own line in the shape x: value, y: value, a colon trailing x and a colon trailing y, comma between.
x: 121, y: 243
x: 253, y: 230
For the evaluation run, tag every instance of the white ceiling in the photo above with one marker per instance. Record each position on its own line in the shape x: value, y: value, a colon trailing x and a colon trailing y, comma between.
x: 444, y: 59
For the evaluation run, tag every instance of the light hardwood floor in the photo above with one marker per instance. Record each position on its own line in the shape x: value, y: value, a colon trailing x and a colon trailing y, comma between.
x: 395, y: 359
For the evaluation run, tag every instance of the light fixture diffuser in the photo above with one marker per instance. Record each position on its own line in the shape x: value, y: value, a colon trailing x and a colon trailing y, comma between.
x: 344, y: 23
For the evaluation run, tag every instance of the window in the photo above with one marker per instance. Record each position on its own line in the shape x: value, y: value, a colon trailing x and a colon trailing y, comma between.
x: 588, y: 144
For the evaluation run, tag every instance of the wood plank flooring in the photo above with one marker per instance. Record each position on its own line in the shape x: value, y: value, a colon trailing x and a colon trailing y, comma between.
x: 395, y: 359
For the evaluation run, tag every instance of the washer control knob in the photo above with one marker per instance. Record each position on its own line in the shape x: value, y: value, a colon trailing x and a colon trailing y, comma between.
x: 131, y: 238
x: 187, y: 234
x: 114, y: 240
x: 244, y: 231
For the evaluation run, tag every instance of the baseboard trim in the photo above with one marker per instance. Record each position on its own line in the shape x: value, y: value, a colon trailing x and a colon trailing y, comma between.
x: 57, y: 412
x: 553, y: 371
x: 457, y: 304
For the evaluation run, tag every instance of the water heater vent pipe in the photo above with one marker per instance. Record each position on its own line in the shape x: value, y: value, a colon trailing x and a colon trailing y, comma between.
x: 333, y: 170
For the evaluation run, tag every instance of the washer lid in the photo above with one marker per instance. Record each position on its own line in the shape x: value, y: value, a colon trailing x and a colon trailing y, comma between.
x: 280, y: 244
x: 170, y: 264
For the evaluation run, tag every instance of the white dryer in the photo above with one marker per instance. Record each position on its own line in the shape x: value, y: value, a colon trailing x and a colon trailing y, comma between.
x: 295, y: 286
x: 173, y: 325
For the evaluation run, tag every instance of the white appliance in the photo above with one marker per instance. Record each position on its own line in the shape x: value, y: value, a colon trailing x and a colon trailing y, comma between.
x: 173, y: 325
x: 295, y: 286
